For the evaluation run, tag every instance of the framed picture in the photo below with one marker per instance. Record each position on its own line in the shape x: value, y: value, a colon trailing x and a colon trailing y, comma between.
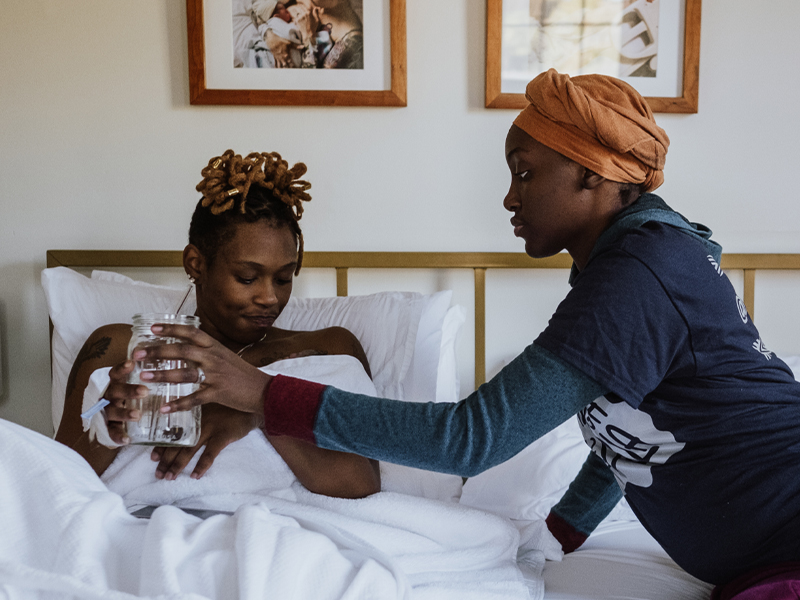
x: 654, y: 45
x: 297, y: 52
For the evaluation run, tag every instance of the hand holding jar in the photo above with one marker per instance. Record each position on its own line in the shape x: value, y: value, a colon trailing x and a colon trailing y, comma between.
x: 221, y: 376
x: 153, y: 427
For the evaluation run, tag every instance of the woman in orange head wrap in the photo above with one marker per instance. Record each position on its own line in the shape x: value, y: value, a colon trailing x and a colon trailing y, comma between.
x: 653, y: 320
x: 615, y: 150
x: 599, y: 122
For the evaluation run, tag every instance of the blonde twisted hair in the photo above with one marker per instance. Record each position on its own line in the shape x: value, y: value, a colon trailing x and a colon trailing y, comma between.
x: 228, y: 179
x: 230, y: 175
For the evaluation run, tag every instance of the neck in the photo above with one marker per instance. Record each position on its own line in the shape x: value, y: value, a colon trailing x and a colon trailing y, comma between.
x: 207, y: 326
x: 582, y: 250
x: 606, y: 209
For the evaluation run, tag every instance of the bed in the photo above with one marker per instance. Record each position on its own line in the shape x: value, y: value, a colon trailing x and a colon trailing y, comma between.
x: 504, y: 554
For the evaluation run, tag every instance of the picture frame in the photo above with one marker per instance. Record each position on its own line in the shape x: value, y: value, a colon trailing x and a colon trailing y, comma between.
x: 214, y: 81
x: 685, y: 52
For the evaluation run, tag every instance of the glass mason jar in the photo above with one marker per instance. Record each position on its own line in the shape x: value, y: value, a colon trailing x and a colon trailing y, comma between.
x: 156, y: 428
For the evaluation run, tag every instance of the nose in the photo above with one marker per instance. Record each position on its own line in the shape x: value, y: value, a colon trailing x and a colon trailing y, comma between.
x: 266, y: 294
x: 511, y: 201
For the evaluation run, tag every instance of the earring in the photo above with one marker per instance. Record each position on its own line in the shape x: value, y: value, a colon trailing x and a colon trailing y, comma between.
x: 191, y: 279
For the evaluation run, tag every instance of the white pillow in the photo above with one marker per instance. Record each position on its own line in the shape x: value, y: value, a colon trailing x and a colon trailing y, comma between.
x: 420, y: 382
x: 397, y: 329
x: 401, y: 333
x: 793, y: 362
x: 448, y: 385
x: 529, y: 484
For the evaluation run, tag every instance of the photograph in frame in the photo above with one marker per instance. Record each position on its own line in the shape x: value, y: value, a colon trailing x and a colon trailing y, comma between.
x: 651, y: 44
x: 298, y: 34
x: 298, y: 52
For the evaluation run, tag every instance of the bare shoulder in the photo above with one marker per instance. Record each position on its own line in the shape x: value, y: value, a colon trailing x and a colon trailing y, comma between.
x: 113, y: 334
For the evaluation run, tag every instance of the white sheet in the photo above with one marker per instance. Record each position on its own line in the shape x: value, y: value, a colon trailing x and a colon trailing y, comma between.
x: 621, y: 561
x: 64, y: 531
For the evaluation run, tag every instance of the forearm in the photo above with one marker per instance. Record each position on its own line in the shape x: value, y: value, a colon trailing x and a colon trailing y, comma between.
x: 531, y: 396
x: 588, y: 500
x: 328, y: 472
x: 98, y: 456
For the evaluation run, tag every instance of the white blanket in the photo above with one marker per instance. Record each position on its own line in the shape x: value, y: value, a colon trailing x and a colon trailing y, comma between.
x: 64, y: 531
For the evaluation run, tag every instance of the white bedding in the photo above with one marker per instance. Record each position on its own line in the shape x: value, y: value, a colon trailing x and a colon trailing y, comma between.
x: 621, y: 561
x: 65, y: 531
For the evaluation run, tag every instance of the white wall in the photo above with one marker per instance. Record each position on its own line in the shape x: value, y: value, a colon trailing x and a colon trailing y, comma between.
x: 99, y: 147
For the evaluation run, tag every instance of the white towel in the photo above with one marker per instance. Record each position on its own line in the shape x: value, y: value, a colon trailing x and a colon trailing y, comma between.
x: 96, y: 425
x: 251, y: 466
x: 244, y: 470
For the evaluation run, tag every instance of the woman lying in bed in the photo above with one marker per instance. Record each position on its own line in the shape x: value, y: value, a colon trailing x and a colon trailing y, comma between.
x: 245, y: 246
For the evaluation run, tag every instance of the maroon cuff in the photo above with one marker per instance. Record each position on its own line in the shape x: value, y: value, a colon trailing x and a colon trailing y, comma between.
x: 569, y: 537
x: 290, y: 407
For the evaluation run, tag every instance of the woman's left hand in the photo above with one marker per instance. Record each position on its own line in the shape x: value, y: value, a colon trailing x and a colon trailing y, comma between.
x: 224, y: 377
x: 220, y: 426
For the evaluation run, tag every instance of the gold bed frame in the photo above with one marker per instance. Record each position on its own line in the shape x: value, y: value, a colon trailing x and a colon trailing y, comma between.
x: 479, y: 262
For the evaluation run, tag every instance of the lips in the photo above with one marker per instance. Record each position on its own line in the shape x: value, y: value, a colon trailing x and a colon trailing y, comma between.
x: 262, y: 321
x: 517, y: 225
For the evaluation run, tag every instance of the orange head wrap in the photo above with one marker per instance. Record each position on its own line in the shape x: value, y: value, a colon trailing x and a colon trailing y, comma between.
x: 599, y: 122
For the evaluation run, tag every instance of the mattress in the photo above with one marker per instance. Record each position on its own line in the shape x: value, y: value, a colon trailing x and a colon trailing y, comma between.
x: 621, y: 561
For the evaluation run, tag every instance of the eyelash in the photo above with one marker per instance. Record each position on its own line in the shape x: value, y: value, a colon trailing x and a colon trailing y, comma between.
x: 249, y: 281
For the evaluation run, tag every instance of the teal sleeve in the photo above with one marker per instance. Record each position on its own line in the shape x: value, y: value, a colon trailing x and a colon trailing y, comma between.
x: 588, y: 500
x: 532, y: 395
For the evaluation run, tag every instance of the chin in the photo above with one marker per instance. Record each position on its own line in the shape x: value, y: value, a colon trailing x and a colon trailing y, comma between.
x: 537, y: 252
x: 532, y: 251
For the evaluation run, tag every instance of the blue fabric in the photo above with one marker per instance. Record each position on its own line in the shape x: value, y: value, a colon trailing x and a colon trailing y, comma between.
x: 651, y: 208
x: 594, y: 493
x: 535, y: 393
x: 701, y: 425
x: 590, y: 497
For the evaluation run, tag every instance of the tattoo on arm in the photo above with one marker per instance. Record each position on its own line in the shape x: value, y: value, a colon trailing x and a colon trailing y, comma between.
x: 89, y: 351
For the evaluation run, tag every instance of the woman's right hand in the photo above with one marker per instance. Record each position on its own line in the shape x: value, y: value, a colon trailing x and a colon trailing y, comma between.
x: 118, y: 392
x: 226, y: 378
